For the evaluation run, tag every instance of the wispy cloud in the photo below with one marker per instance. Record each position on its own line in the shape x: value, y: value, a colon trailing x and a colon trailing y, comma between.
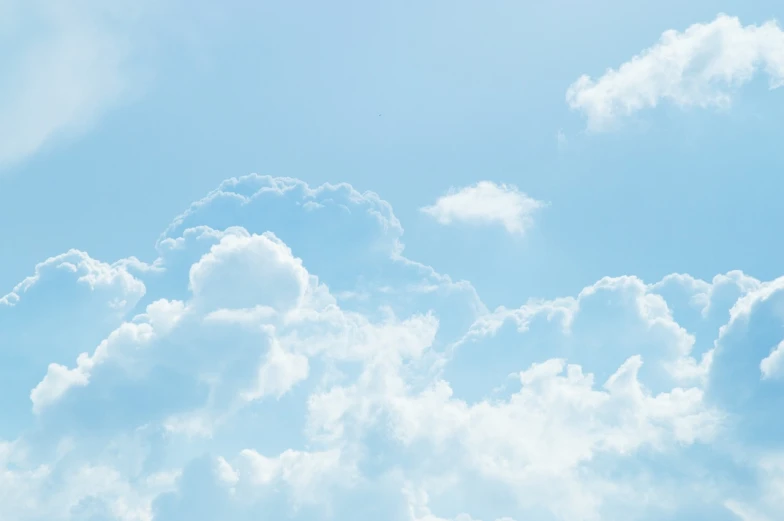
x: 700, y: 67
x: 65, y: 65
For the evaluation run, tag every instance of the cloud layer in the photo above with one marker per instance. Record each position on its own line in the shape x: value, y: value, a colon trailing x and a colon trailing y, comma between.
x: 486, y: 203
x: 699, y: 67
x: 281, y: 358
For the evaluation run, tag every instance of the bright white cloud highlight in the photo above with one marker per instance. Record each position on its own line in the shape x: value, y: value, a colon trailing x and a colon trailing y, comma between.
x: 700, y: 67
x: 486, y: 203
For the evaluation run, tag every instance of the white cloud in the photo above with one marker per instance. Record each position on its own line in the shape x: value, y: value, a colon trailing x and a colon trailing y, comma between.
x: 245, y: 271
x: 308, y: 474
x: 486, y: 203
x: 773, y: 365
x: 233, y: 382
x: 279, y: 373
x: 701, y: 67
x: 539, y: 443
x: 59, y: 379
x: 121, y: 288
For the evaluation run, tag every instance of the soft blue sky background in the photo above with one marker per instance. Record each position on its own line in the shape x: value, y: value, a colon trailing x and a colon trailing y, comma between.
x: 483, y: 373
x: 464, y: 92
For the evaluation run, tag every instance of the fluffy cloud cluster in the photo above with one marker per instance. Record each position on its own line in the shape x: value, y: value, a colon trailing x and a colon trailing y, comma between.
x: 699, y: 67
x: 282, y: 358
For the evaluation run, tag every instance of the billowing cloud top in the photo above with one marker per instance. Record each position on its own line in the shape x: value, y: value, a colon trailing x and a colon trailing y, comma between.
x: 699, y: 67
x: 486, y: 203
x: 312, y: 371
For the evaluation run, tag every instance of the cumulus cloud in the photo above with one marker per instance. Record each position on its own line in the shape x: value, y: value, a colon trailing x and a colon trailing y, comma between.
x: 244, y: 271
x: 486, y: 203
x: 699, y: 67
x: 95, y: 275
x: 234, y: 381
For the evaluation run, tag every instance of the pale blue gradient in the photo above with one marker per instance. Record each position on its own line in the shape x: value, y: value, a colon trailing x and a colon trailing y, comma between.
x: 392, y: 104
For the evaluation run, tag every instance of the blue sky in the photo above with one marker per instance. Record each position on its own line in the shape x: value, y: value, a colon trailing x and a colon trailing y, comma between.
x: 404, y: 261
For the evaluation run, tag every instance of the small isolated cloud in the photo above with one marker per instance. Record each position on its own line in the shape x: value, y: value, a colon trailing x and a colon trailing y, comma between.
x: 487, y: 203
x: 699, y: 67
